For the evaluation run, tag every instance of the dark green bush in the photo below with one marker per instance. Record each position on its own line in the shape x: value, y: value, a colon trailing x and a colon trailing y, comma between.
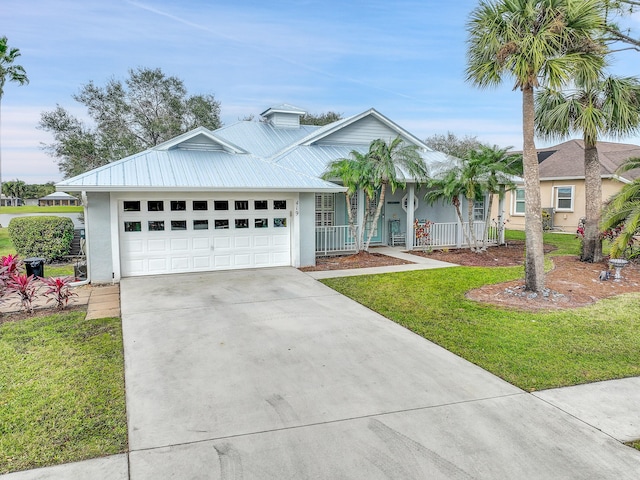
x: 39, y: 236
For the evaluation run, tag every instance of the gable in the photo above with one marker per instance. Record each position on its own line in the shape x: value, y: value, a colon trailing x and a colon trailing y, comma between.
x: 199, y: 142
x: 360, y: 132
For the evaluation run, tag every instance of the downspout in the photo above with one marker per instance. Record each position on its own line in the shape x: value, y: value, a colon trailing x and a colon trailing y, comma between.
x: 86, y: 281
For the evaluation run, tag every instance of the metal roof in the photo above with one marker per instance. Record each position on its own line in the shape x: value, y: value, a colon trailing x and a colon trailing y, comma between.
x: 195, y: 170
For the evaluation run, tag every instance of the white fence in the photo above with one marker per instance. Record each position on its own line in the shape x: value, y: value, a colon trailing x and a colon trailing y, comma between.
x: 338, y: 239
x: 334, y: 240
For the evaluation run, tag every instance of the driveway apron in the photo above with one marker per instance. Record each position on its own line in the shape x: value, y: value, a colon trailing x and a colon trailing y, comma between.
x: 269, y: 374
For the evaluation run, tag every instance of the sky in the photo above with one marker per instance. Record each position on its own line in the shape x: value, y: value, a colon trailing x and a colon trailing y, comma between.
x: 406, y: 59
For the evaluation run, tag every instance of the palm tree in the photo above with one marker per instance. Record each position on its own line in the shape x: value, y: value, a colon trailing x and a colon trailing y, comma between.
x: 353, y: 173
x: 623, y: 211
x: 535, y: 42
x: 11, y: 72
x: 388, y: 163
x: 485, y: 170
x: 609, y: 106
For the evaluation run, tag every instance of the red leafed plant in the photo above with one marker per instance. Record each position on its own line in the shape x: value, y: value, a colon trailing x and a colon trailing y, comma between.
x: 25, y: 287
x: 11, y: 262
x: 59, y: 291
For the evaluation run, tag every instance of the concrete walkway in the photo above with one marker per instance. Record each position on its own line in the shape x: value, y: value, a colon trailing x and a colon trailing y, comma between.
x: 419, y: 263
x: 268, y: 374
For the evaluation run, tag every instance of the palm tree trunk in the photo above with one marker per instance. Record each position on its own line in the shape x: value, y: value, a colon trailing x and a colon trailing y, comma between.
x: 465, y: 233
x: 352, y: 225
x: 591, y: 243
x: 487, y: 222
x: 473, y: 241
x: 534, y: 261
x: 374, y: 222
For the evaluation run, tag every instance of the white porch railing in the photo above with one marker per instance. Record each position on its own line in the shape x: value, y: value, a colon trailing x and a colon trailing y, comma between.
x: 441, y: 235
x: 334, y: 240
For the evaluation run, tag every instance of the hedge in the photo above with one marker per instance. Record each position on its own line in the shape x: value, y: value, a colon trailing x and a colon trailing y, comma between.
x: 40, y: 236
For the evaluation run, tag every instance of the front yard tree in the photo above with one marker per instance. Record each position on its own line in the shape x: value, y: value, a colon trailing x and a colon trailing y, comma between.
x: 320, y: 119
x: 608, y: 106
x: 535, y: 43
x: 388, y: 163
x: 11, y: 72
x: 453, y: 145
x: 146, y: 109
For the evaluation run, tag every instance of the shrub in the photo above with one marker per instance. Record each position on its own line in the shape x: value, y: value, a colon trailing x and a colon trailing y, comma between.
x: 40, y: 236
x: 59, y: 291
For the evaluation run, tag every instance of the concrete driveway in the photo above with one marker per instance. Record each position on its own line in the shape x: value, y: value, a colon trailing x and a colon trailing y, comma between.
x: 268, y: 374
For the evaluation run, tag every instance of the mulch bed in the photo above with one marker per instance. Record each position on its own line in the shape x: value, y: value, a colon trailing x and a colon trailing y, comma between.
x: 359, y: 260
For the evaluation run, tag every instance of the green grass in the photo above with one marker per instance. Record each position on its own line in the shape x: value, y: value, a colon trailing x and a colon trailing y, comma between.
x: 35, y: 209
x: 530, y: 350
x: 635, y: 444
x: 6, y: 247
x: 61, y: 390
x: 566, y: 244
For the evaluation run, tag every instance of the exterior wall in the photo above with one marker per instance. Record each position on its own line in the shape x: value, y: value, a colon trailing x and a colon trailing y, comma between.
x: 98, y: 230
x: 307, y: 222
x: 564, y: 221
x: 362, y: 132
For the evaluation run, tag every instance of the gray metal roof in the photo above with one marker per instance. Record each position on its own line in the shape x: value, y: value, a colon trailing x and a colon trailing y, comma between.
x: 284, y: 108
x: 57, y: 196
x: 195, y: 170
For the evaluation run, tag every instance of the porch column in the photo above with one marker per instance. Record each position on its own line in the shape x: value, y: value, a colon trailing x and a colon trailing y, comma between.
x: 501, y: 217
x: 411, y: 192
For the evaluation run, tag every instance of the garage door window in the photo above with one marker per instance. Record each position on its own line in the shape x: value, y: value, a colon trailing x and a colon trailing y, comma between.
x: 261, y: 223
x: 279, y: 204
x: 155, y: 206
x: 279, y: 222
x: 261, y: 204
x: 199, y: 205
x: 131, y: 206
x: 156, y: 226
x: 221, y: 205
x: 221, y: 224
x: 178, y: 205
x: 132, y: 226
x: 242, y: 204
x: 242, y: 223
x: 201, y: 224
x: 178, y: 224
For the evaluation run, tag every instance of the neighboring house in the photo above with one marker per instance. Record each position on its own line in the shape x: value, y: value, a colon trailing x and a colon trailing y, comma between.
x: 58, y: 199
x: 243, y: 196
x: 10, y: 201
x: 562, y: 183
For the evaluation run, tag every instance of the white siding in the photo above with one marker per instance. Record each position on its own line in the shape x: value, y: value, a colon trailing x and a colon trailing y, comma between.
x: 286, y: 120
x: 98, y: 225
x: 362, y: 132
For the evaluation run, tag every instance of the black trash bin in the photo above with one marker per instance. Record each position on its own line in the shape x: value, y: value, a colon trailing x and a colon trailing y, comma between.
x: 35, y: 266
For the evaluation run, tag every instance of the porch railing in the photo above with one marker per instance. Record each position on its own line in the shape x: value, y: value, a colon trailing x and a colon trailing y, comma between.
x: 440, y: 235
x: 334, y: 240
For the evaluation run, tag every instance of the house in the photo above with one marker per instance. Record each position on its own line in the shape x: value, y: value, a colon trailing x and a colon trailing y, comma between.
x: 58, y: 199
x: 10, y: 201
x: 247, y: 195
x: 562, y: 187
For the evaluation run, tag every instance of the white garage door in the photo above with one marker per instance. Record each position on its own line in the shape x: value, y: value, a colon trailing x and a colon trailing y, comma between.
x: 170, y: 236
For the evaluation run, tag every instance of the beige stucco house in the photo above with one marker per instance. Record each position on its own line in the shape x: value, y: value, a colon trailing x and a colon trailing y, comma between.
x: 562, y: 183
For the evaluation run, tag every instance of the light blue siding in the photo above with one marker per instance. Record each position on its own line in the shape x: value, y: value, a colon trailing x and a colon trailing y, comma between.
x: 307, y: 229
x: 98, y: 233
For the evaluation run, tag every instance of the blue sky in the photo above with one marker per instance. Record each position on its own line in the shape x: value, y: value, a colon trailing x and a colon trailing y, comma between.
x: 404, y: 58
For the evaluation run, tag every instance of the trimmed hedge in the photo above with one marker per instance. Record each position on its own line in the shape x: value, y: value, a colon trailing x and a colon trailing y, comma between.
x: 40, y: 236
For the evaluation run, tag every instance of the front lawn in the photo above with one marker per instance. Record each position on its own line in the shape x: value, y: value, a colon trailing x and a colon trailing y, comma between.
x: 532, y: 350
x: 36, y: 209
x: 61, y: 390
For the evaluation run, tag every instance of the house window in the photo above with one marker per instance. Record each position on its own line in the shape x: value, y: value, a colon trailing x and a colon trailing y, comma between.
x: 564, y: 198
x: 156, y: 226
x: 478, y: 210
x: 201, y: 224
x: 131, y: 206
x: 325, y: 210
x: 178, y: 224
x: 178, y: 205
x: 132, y: 226
x: 155, y: 205
x: 518, y: 202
